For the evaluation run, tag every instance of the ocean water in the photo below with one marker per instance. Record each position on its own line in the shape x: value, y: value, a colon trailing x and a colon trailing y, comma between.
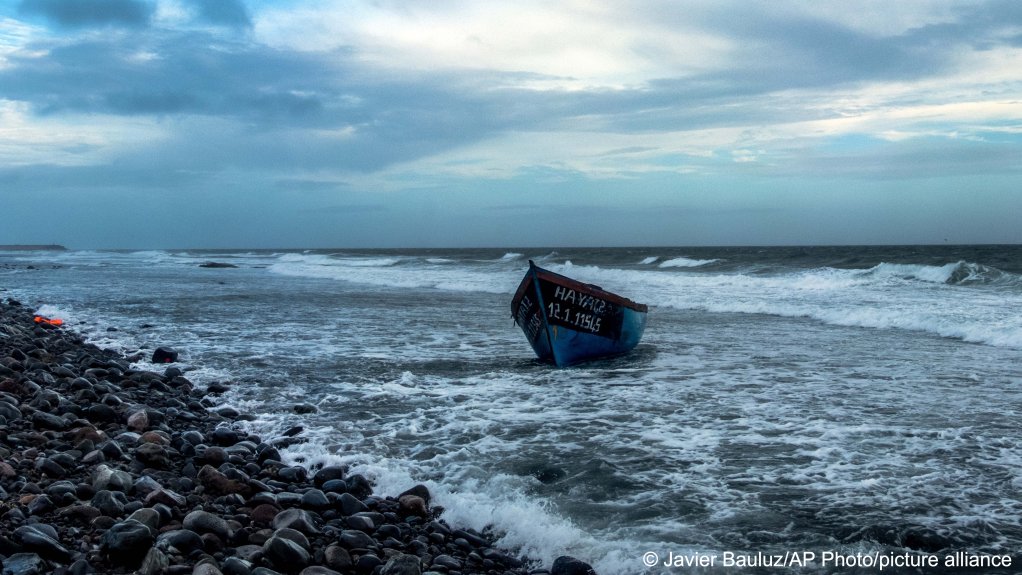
x: 783, y: 401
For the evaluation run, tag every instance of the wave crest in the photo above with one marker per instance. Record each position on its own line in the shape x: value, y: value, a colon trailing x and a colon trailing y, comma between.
x: 684, y: 263
x: 958, y: 273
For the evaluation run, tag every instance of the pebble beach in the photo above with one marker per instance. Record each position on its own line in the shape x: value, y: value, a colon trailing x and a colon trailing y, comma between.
x: 108, y: 468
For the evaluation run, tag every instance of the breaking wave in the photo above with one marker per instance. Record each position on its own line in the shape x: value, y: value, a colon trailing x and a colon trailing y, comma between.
x: 958, y: 273
x: 685, y: 263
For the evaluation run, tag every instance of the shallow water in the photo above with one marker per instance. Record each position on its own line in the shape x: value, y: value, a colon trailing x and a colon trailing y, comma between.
x: 848, y: 400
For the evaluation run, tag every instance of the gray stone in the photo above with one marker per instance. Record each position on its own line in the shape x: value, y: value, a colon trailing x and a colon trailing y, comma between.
x: 145, y: 485
x: 337, y: 557
x: 23, y: 564
x: 360, y: 523
x: 357, y: 540
x: 297, y: 519
x: 153, y: 455
x: 42, y: 539
x: 101, y: 413
x: 285, y: 553
x: 110, y: 502
x: 166, y: 497
x: 112, y: 479
x: 403, y: 565
x: 127, y: 543
x: 315, y: 499
x: 447, y: 562
x: 205, y: 522
x: 206, y: 569
x: 154, y: 563
x: 236, y: 566
x: 350, y: 504
x: 296, y: 536
x: 147, y: 516
x: 567, y: 565
x: 49, y: 421
x: 183, y: 540
x: 9, y: 412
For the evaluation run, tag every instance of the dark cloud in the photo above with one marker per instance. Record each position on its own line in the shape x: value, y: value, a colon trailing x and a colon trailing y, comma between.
x: 230, y: 13
x: 91, y: 13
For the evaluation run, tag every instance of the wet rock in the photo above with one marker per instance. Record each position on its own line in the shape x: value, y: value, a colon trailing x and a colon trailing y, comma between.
x: 223, y: 436
x: 112, y: 450
x: 297, y: 519
x: 447, y: 562
x: 236, y: 566
x: 215, y: 265
x: 110, y: 503
x: 285, y: 554
x: 184, y: 541
x: 413, y: 505
x: 138, y: 421
x: 328, y: 473
x: 147, y: 516
x: 154, y: 562
x: 304, y: 408
x: 217, y: 482
x: 40, y: 505
x: 164, y: 355
x: 315, y: 499
x: 402, y: 564
x: 359, y: 486
x: 367, y: 564
x: 318, y: 570
x: 166, y: 497
x: 24, y: 564
x: 9, y: 412
x: 111, y: 479
x: 127, y: 543
x: 356, y: 540
x: 567, y: 565
x: 204, y: 522
x: 43, y: 540
x: 49, y: 421
x: 351, y: 505
x: 337, y: 558
x: 154, y: 455
x: 264, y: 513
x: 206, y: 569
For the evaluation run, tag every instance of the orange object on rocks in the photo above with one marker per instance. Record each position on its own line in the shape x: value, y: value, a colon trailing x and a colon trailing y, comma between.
x: 51, y: 321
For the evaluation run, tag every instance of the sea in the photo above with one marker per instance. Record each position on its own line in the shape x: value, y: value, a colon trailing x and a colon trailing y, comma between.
x: 789, y: 409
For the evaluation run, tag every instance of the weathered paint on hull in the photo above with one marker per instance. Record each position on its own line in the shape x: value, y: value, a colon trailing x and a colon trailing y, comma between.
x: 568, y: 322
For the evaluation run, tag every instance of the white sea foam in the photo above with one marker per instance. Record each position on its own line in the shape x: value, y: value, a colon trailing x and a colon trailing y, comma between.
x: 685, y: 263
x: 386, y: 272
x: 918, y: 298
x: 648, y: 260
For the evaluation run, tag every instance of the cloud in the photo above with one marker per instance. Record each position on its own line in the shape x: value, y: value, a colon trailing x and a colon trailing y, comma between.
x: 647, y: 99
x: 91, y: 13
x: 232, y: 13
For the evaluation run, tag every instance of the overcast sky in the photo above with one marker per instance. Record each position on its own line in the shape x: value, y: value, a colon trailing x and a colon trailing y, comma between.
x: 332, y: 123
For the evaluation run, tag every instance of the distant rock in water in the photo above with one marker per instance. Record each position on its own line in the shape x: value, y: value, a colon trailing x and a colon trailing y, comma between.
x: 164, y: 355
x: 216, y: 265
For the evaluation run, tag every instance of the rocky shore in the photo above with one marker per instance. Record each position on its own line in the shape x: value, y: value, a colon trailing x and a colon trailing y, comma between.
x: 109, y: 469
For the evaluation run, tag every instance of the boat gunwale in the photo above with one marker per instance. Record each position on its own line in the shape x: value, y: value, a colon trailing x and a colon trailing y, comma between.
x: 594, y: 290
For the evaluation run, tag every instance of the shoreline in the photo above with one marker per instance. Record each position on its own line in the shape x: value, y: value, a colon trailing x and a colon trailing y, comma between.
x: 108, y: 469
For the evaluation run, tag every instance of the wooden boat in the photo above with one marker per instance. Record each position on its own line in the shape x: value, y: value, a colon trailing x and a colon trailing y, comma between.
x: 568, y: 321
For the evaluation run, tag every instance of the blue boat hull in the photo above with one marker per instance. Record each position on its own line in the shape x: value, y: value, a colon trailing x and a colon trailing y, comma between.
x: 568, y: 322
